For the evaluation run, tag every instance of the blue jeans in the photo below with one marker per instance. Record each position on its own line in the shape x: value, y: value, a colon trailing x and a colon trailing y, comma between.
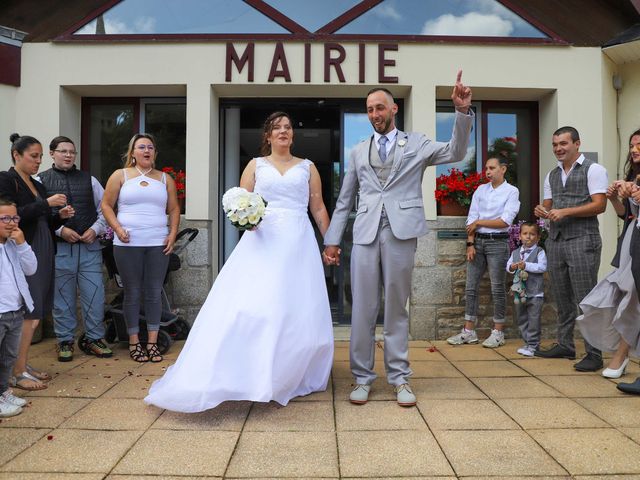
x: 492, y: 255
x: 78, y: 269
x: 10, y: 332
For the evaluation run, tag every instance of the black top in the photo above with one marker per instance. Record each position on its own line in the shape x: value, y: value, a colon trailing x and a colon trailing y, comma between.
x: 30, y: 207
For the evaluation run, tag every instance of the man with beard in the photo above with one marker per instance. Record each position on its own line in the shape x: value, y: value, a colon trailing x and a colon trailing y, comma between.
x: 386, y: 172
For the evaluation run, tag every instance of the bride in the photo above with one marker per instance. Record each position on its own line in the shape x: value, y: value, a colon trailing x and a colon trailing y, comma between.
x: 264, y: 332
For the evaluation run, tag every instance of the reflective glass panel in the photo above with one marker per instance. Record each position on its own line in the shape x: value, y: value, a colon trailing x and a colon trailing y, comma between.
x: 133, y: 17
x: 312, y: 15
x: 444, y: 128
x: 485, y: 18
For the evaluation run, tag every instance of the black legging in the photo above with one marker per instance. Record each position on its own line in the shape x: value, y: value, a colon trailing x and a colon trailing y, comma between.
x: 141, y: 269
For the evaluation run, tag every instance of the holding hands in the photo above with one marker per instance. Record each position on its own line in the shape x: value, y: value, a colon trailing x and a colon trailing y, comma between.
x: 461, y: 95
x: 331, y: 255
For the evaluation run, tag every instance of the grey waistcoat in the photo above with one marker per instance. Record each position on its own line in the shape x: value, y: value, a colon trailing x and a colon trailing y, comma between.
x: 535, y: 281
x: 574, y: 193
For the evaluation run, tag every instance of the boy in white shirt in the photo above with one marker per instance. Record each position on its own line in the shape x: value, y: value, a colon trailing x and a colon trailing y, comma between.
x: 494, y: 205
x: 16, y: 260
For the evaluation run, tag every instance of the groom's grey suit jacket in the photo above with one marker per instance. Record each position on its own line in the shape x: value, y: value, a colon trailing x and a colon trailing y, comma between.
x: 401, y: 194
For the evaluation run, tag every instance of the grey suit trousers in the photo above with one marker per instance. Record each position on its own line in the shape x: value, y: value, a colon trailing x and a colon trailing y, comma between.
x: 385, y: 263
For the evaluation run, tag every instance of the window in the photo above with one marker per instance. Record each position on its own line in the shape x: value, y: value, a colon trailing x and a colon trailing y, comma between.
x: 509, y: 129
x: 312, y: 15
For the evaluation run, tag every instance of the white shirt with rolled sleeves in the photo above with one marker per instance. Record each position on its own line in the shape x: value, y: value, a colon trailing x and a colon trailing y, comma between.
x: 16, y: 261
x: 597, y: 178
x: 490, y: 203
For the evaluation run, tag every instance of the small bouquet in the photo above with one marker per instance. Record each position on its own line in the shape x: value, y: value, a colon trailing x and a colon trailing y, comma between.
x: 244, y: 209
x: 106, y: 237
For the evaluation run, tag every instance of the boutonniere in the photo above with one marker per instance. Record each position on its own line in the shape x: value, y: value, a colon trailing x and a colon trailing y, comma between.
x: 402, y: 142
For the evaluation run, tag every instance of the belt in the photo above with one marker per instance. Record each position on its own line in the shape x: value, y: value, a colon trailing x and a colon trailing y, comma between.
x: 15, y: 314
x: 492, y: 236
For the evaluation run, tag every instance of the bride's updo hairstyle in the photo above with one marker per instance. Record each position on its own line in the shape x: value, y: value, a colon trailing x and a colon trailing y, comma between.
x: 269, y: 123
x: 20, y: 144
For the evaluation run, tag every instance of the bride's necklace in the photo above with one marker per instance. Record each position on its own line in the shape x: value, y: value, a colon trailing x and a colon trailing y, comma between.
x: 144, y: 174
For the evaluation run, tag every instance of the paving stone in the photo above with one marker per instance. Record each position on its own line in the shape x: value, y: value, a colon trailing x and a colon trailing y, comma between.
x: 114, y: 414
x: 479, y: 452
x: 295, y: 417
x: 390, y: 453
x: 549, y: 413
x: 45, y: 412
x: 455, y: 353
x: 428, y: 353
x: 228, y: 416
x: 78, y: 386
x: 15, y: 440
x: 110, y: 366
x: 515, y: 387
x: 619, y: 412
x: 444, y: 388
x: 49, y: 363
x: 377, y: 416
x: 285, y: 454
x: 155, y: 477
x: 591, y: 451
x: 434, y: 370
x: 465, y: 415
x: 550, y: 366
x: 179, y: 452
x: 634, y: 433
x: 51, y: 476
x: 133, y: 386
x: 52, y: 453
x: 582, y: 386
x: 488, y: 368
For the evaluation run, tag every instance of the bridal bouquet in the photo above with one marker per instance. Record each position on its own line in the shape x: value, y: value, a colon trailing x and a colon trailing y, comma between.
x: 244, y: 209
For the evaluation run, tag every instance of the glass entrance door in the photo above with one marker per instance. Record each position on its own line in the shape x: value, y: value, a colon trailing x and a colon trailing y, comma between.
x: 324, y: 132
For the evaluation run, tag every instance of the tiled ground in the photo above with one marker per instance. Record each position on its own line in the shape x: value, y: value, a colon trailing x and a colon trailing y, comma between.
x: 481, y: 414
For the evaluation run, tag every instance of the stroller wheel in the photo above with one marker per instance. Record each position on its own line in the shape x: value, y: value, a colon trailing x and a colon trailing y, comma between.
x: 82, y: 343
x: 111, y: 333
x: 179, y: 330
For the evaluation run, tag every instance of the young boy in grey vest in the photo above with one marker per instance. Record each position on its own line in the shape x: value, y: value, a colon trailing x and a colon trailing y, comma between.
x: 530, y: 258
x: 16, y: 260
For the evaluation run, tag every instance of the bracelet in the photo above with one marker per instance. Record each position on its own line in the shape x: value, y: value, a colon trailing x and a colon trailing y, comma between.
x: 470, y: 244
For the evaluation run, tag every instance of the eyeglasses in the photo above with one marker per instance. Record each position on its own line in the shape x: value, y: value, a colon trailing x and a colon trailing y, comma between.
x: 9, y: 218
x: 73, y: 153
x: 142, y: 148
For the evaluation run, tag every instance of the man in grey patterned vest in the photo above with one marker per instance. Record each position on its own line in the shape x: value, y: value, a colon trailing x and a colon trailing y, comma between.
x: 574, y: 196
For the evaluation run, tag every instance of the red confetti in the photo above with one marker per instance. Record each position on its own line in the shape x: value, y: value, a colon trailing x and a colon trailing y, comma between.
x: 433, y: 349
x: 49, y: 437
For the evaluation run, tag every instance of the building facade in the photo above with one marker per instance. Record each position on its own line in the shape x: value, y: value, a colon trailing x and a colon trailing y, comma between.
x: 129, y: 66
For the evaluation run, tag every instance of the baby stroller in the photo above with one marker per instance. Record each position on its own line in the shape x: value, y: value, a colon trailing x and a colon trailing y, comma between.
x: 172, y: 325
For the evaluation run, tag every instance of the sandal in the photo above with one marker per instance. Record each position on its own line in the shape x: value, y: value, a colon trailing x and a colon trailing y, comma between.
x: 35, y: 385
x: 154, y: 353
x: 138, y: 353
x: 39, y: 374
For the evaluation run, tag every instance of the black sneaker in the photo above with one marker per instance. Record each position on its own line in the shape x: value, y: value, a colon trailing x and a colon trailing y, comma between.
x: 556, y: 351
x: 65, y: 351
x: 98, y: 348
x: 589, y: 363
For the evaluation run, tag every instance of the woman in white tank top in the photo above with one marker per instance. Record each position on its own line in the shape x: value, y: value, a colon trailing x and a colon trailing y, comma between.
x: 143, y: 240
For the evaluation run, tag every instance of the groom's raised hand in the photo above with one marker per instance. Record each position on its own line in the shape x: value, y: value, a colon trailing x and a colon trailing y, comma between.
x: 461, y: 95
x: 331, y: 255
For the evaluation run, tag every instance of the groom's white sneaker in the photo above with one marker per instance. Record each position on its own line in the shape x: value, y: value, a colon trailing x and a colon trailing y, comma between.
x: 360, y: 394
x: 405, y: 396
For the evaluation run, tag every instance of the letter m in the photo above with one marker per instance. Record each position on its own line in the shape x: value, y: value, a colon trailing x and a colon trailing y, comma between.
x: 239, y: 62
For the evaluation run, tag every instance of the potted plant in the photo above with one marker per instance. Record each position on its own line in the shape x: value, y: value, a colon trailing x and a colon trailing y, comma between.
x: 455, y: 189
x: 180, y: 178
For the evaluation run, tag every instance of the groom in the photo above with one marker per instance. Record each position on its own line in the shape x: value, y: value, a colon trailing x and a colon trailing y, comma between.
x: 386, y: 171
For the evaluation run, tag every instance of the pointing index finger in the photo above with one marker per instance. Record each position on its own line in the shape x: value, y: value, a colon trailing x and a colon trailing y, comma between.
x: 459, y: 77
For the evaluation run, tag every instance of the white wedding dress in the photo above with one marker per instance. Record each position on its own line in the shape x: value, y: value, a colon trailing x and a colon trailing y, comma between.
x: 264, y: 332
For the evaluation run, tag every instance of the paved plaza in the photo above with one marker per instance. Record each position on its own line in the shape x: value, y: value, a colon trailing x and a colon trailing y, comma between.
x: 481, y: 414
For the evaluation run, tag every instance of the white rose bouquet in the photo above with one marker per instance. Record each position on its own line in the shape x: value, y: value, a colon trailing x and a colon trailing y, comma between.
x: 244, y: 209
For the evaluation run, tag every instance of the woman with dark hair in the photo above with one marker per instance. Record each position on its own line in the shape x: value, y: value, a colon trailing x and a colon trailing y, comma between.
x: 142, y: 241
x: 611, y: 312
x: 265, y: 332
x: 38, y: 222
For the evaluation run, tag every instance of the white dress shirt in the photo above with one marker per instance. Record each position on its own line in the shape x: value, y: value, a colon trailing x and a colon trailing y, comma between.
x: 539, y: 267
x: 391, y: 137
x: 490, y: 203
x: 597, y: 178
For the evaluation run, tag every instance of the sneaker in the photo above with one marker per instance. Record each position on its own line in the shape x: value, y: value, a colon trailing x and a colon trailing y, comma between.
x: 98, y: 348
x: 527, y: 350
x: 65, y: 351
x: 465, y: 336
x: 8, y: 409
x: 495, y: 340
x: 9, y: 397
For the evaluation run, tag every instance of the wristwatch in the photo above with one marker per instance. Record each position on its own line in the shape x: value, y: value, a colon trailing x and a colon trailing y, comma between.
x: 470, y: 244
